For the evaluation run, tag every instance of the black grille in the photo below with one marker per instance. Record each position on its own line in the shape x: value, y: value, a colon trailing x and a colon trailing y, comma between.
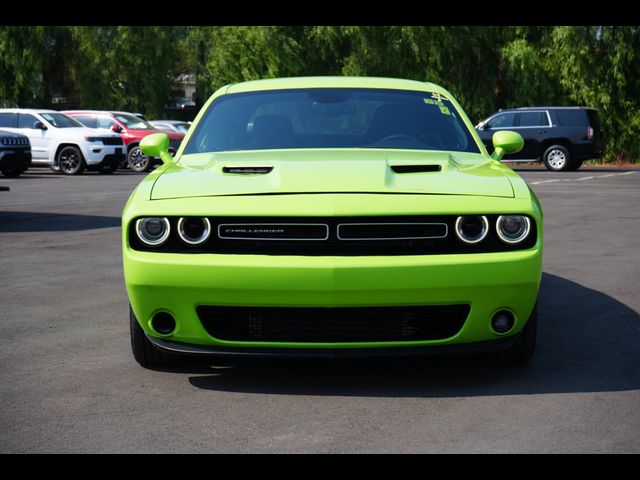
x: 14, y: 141
x: 359, y: 236
x: 391, y: 231
x: 111, y: 140
x: 343, y: 324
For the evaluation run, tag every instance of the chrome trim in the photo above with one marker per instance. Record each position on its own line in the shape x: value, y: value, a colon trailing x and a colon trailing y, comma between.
x: 203, y: 238
x: 153, y: 243
x: 483, y: 234
x: 274, y: 224
x: 521, y: 238
x: 446, y: 231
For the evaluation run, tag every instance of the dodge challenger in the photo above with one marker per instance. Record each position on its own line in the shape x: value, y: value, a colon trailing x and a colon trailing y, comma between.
x: 332, y: 216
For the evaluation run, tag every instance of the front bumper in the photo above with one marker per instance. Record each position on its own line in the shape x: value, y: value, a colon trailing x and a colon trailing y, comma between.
x: 15, y: 158
x: 96, y: 154
x: 178, y: 283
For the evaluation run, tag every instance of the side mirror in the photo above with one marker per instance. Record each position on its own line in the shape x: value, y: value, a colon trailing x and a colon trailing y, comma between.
x: 481, y: 126
x: 116, y: 128
x: 156, y: 145
x: 39, y: 125
x: 505, y: 142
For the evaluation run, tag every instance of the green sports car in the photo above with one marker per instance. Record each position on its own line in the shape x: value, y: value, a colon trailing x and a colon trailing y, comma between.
x: 332, y: 216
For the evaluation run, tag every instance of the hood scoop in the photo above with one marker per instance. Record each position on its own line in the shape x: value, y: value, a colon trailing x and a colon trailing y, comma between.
x: 416, y: 168
x: 247, y: 170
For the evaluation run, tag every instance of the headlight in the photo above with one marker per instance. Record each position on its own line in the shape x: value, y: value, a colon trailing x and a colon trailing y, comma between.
x: 513, y: 228
x: 472, y: 228
x: 92, y: 139
x: 153, y: 231
x: 193, y: 230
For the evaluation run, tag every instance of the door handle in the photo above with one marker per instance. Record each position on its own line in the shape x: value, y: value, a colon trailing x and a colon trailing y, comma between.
x: 543, y: 132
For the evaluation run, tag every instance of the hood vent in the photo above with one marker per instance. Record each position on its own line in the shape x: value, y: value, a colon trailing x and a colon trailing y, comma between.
x: 247, y: 170
x: 415, y: 168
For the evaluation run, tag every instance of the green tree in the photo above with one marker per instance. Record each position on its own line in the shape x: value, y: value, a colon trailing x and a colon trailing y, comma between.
x: 129, y: 68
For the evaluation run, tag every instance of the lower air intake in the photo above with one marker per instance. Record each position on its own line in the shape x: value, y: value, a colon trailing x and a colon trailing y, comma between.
x: 344, y: 324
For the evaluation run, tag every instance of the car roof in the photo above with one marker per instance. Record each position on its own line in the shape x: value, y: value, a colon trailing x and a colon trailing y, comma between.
x: 333, y: 82
x: 84, y: 111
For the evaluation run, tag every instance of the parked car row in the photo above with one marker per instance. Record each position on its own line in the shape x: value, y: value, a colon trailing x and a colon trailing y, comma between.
x: 70, y: 142
x: 132, y: 129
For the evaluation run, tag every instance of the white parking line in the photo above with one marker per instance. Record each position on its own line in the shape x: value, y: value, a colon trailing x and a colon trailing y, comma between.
x: 582, y: 178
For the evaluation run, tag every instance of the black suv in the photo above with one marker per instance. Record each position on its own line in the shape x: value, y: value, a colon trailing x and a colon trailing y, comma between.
x: 15, y: 153
x: 562, y: 137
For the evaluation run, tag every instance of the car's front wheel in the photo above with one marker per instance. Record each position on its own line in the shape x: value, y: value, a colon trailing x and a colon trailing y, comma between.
x: 138, y: 161
x: 521, y: 351
x: 70, y: 160
x: 557, y: 158
x: 144, y: 352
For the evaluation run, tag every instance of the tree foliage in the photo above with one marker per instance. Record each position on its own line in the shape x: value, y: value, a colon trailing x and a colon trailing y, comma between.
x: 486, y: 68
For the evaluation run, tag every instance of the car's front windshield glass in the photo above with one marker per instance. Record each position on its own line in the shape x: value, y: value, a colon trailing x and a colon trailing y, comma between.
x: 134, y: 123
x: 182, y: 127
x: 60, y: 120
x: 331, y: 118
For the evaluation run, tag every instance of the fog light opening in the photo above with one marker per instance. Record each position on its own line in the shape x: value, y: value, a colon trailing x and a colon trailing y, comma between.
x: 503, y: 321
x: 163, y: 323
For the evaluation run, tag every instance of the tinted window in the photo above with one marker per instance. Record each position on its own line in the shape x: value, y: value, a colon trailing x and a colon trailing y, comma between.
x: 572, y: 118
x: 26, y: 121
x: 105, y: 122
x: 86, y: 120
x: 60, y: 120
x: 533, y: 119
x: 331, y: 118
x: 503, y: 120
x: 8, y: 120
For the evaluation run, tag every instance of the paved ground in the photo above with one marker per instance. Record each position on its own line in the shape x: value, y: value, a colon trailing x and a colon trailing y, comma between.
x: 68, y: 382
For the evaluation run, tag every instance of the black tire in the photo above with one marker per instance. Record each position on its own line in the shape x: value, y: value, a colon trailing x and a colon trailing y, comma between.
x: 137, y: 161
x: 575, y: 165
x: 144, y: 352
x: 12, y: 172
x: 557, y: 158
x: 522, y: 350
x: 70, y: 160
x: 107, y: 169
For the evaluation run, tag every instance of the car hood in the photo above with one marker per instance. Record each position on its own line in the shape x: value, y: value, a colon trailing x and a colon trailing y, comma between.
x: 82, y: 132
x: 332, y: 171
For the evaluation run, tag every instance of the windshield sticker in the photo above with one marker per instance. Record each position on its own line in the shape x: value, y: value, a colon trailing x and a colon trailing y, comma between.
x: 429, y: 101
x: 439, y: 97
x: 444, y: 110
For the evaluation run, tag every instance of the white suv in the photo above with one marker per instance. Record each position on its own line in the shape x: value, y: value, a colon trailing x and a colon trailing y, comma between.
x: 63, y: 143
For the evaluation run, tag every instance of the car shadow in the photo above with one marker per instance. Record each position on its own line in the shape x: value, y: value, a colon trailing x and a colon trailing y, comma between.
x: 587, y: 342
x: 53, y: 222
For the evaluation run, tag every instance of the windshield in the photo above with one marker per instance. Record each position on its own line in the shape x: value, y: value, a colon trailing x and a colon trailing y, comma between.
x: 331, y: 118
x: 132, y: 122
x: 60, y: 120
x: 182, y: 127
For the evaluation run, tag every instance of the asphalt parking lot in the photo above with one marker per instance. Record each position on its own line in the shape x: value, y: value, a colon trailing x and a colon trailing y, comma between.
x: 68, y: 382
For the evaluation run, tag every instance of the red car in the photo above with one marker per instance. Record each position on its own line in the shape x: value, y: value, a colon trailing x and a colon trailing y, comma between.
x: 132, y: 129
